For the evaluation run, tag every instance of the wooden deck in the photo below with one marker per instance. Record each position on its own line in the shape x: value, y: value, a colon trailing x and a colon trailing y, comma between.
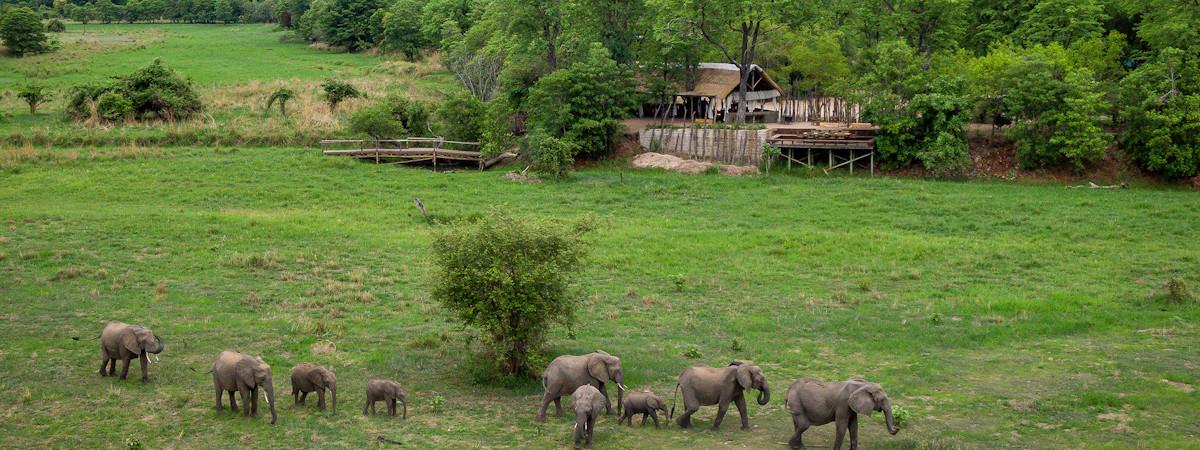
x: 830, y: 147
x: 414, y: 150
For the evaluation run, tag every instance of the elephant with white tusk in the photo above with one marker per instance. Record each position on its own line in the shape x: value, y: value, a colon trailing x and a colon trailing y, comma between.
x: 124, y: 342
x: 568, y: 372
x: 245, y: 374
x: 814, y: 402
x: 703, y: 385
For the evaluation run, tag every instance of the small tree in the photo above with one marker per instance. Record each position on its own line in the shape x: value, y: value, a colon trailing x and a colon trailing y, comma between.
x: 461, y: 117
x: 511, y: 278
x: 337, y: 92
x: 22, y: 31
x: 34, y: 94
x: 552, y: 157
x: 56, y: 26
x: 281, y: 96
x: 377, y: 122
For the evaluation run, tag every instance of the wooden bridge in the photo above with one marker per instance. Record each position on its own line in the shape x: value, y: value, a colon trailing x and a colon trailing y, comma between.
x: 414, y: 150
x: 831, y: 147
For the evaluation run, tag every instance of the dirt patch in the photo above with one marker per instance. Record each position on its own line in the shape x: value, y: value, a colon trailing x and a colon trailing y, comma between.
x: 1187, y: 388
x: 520, y: 178
x: 652, y: 160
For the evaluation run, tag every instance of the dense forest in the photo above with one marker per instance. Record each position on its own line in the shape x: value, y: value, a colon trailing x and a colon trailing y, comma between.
x: 1069, y: 80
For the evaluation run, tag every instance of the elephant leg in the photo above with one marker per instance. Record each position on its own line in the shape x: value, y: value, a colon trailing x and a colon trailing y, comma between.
x: 392, y: 407
x: 690, y: 406
x: 607, y: 404
x: 219, y: 393
x: 103, y: 361
x: 125, y: 367
x: 245, y: 392
x: 232, y: 402
x: 591, y: 429
x: 644, y: 417
x: 558, y: 406
x: 722, y: 408
x: 254, y: 401
x: 853, y: 426
x: 546, y: 399
x: 145, y: 361
x: 296, y: 394
x: 740, y: 401
x: 112, y: 365
x: 842, y: 422
x: 800, y: 424
x: 653, y: 415
x: 321, y: 399
x: 366, y: 405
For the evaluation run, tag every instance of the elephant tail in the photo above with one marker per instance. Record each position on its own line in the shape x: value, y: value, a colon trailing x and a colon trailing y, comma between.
x: 674, y: 397
x: 193, y: 369
x: 77, y: 338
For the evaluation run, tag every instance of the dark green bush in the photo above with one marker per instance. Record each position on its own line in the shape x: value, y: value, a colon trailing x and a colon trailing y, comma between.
x: 113, y: 106
x: 584, y: 103
x: 413, y: 115
x: 337, y: 92
x: 551, y: 157
x: 512, y: 278
x: 56, y: 26
x: 1161, y: 106
x: 22, y: 31
x: 461, y: 117
x: 154, y: 91
x: 377, y: 122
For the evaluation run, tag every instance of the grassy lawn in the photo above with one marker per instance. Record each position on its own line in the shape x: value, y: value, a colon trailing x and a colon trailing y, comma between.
x: 1000, y: 315
x: 235, y: 69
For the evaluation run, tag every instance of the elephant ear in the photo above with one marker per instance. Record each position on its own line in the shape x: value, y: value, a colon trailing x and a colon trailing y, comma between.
x: 862, y: 402
x: 743, y: 377
x: 597, y: 369
x: 245, y: 372
x: 129, y: 340
x: 316, y: 377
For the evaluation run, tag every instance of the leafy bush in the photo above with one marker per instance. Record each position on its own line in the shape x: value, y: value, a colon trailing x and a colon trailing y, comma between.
x: 152, y: 91
x: 344, y: 23
x: 551, y: 156
x: 413, y: 115
x: 1162, y: 111
x: 584, y: 103
x: 22, y: 31
x: 56, y: 26
x: 511, y: 278
x: 1177, y: 290
x: 400, y: 29
x: 900, y: 415
x: 34, y: 94
x: 337, y: 92
x: 461, y: 117
x: 378, y: 122
x: 113, y: 106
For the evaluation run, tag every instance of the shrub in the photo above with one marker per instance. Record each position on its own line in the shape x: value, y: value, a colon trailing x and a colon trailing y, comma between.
x: 34, y: 94
x: 461, y: 117
x: 337, y: 92
x: 400, y: 28
x: 56, y: 26
x: 511, y: 278
x: 159, y: 91
x: 344, y: 23
x: 1177, y: 290
x: 1162, y: 110
x: 413, y: 115
x: 584, y: 103
x: 281, y: 96
x: 83, y: 98
x: 377, y: 122
x: 551, y: 156
x: 22, y: 31
x: 113, y: 106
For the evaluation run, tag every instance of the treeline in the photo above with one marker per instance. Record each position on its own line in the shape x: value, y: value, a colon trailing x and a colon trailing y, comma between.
x: 177, y: 11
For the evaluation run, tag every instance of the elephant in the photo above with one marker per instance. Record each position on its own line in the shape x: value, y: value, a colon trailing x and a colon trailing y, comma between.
x: 312, y: 378
x: 568, y: 372
x: 587, y: 402
x: 387, y: 391
x: 813, y: 402
x: 703, y: 386
x: 121, y: 341
x: 644, y: 403
x: 244, y: 374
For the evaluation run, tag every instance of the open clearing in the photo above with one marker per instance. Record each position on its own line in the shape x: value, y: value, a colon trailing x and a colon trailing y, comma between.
x: 997, y: 314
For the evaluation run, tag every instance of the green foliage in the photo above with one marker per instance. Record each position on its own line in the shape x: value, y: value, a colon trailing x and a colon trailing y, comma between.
x: 461, y: 117
x: 552, y: 157
x: 280, y: 97
x: 1161, y: 104
x: 154, y: 91
x: 344, y: 23
x: 336, y: 92
x: 511, y: 278
x: 113, y: 106
x: 583, y: 104
x: 56, y: 26
x: 33, y: 94
x: 900, y: 415
x: 377, y: 122
x: 1176, y: 290
x: 399, y: 29
x: 769, y: 154
x: 692, y: 353
x: 413, y: 115
x: 22, y: 31
x: 1062, y: 22
x: 1056, y: 108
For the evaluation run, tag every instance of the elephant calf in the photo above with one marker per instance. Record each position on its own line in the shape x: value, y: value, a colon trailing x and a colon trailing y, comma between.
x: 644, y: 403
x: 387, y: 391
x: 589, y: 404
x: 313, y: 378
x: 813, y: 402
x: 568, y: 372
x: 124, y: 342
x: 245, y: 374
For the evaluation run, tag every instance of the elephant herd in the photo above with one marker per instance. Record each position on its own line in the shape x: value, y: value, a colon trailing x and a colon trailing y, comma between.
x: 584, y: 377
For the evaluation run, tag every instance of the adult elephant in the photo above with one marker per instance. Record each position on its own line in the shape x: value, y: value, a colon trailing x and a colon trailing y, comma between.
x: 120, y: 341
x: 814, y: 402
x: 568, y: 372
x: 245, y: 374
x: 704, y: 386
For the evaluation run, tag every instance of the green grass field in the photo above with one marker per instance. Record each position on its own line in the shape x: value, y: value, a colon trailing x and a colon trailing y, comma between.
x: 1000, y: 315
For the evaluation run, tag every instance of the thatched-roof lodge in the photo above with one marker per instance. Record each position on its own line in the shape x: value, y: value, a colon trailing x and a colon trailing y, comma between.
x: 712, y: 93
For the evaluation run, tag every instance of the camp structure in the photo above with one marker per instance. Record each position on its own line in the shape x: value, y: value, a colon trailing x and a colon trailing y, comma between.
x: 712, y: 94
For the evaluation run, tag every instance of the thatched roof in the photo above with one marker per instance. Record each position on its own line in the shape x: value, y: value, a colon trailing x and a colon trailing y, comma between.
x: 721, y: 79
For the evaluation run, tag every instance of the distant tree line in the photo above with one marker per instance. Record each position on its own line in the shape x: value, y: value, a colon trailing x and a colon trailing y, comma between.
x: 132, y: 11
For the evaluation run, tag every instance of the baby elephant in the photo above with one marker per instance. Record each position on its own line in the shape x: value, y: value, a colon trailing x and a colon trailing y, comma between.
x: 312, y: 378
x: 387, y: 391
x: 589, y: 404
x: 644, y: 403
x: 124, y: 342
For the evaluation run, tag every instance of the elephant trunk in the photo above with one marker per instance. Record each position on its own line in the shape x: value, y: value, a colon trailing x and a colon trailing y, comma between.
x: 620, y: 396
x: 270, y: 388
x: 887, y: 415
x: 764, y: 394
x: 404, y: 401
x: 333, y: 396
x: 159, y: 348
